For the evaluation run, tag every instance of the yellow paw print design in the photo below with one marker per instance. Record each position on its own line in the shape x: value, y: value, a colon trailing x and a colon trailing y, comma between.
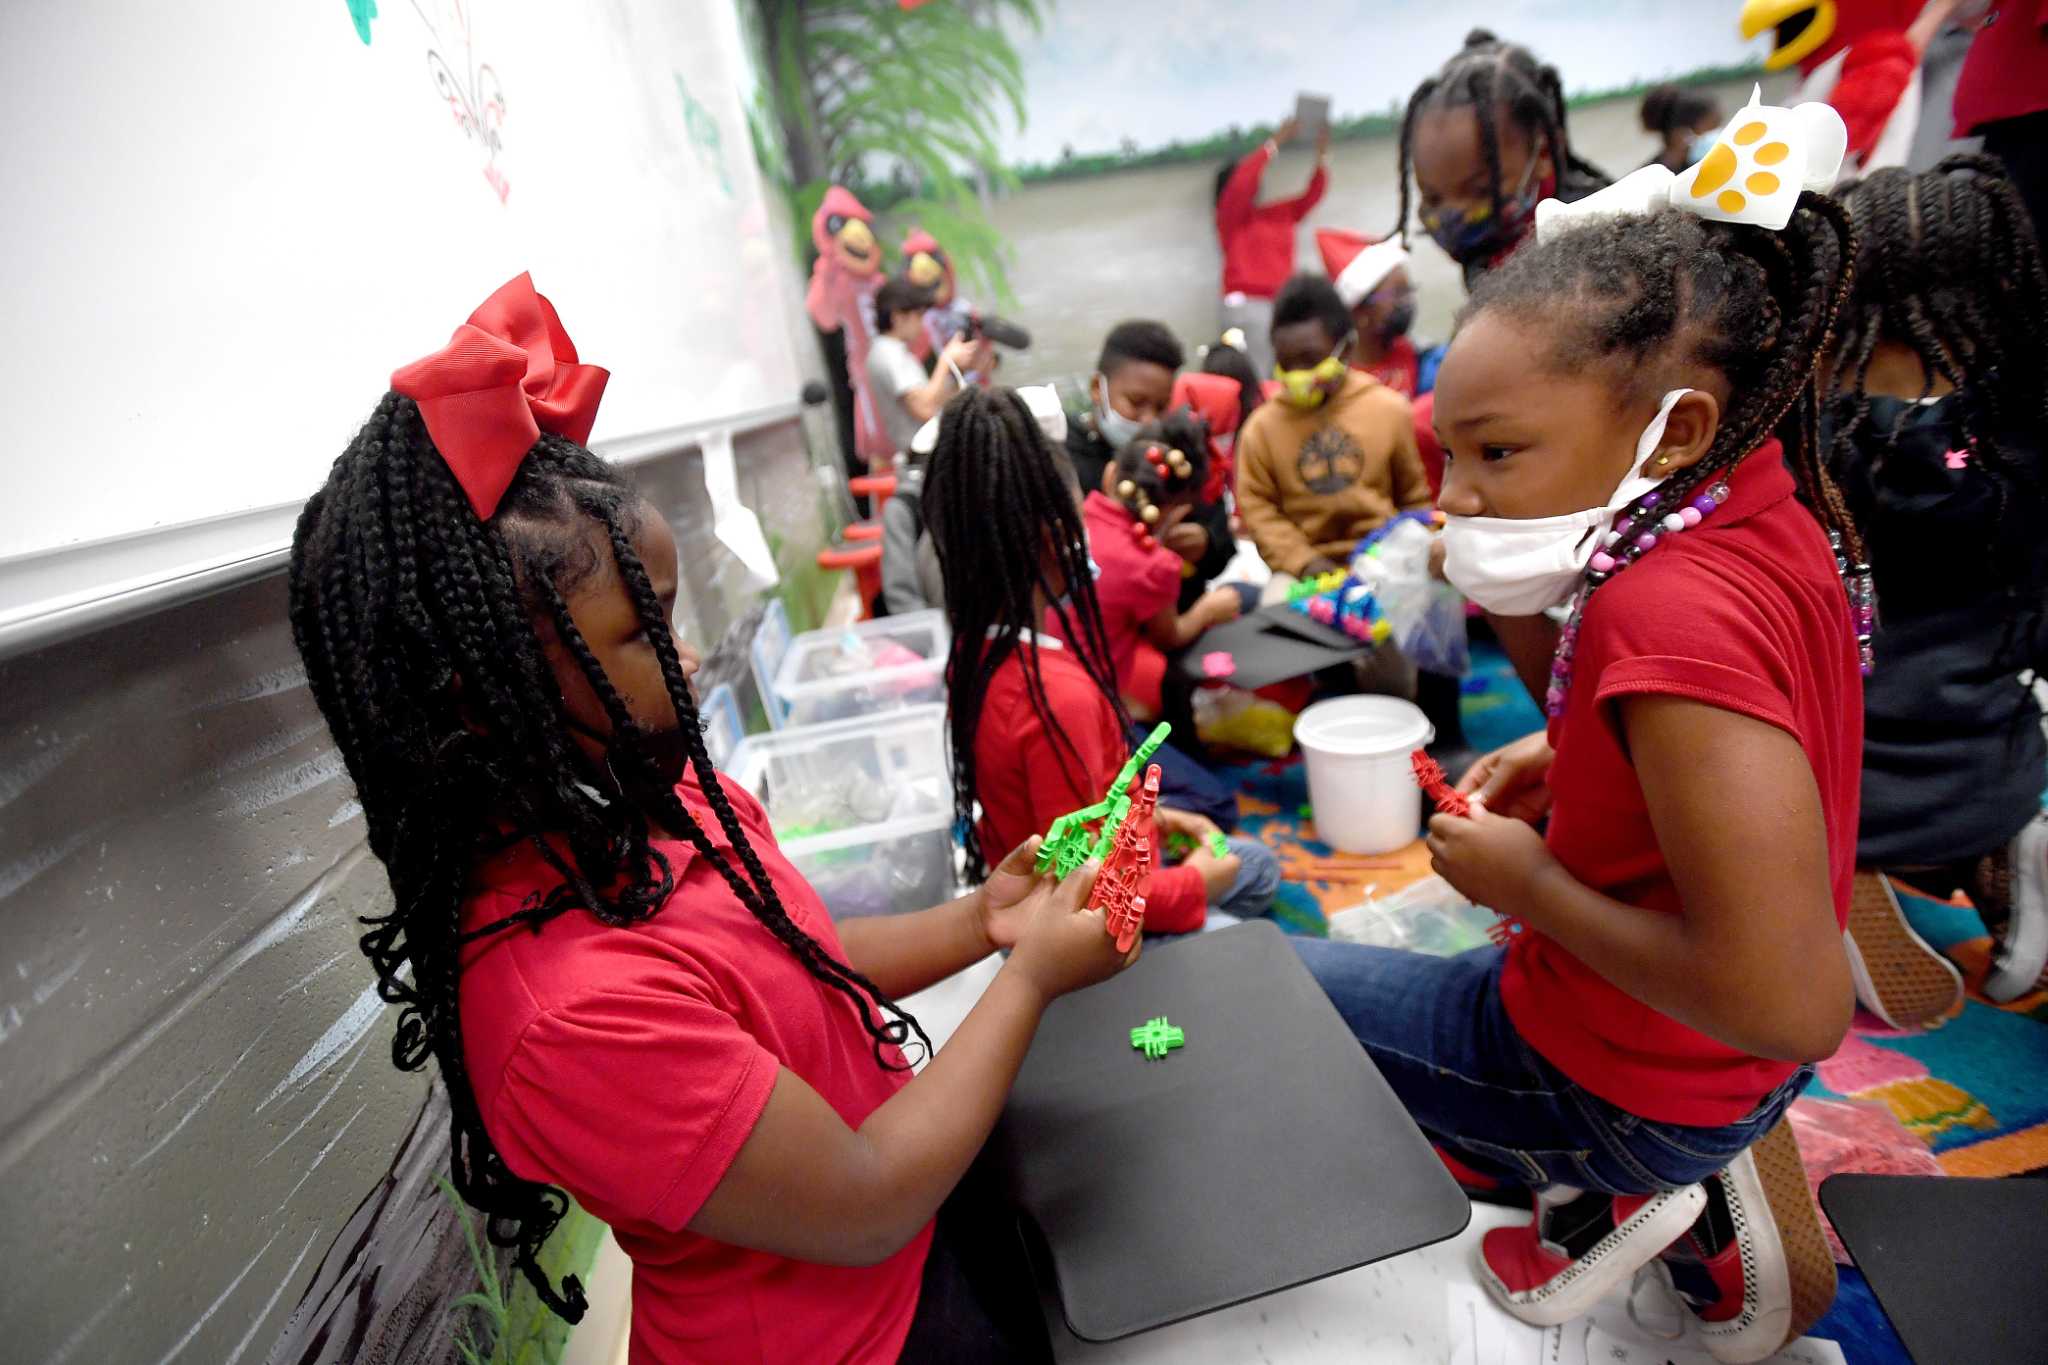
x: 1762, y: 160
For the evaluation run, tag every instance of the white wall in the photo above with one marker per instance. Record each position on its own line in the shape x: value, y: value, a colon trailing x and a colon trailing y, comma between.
x: 229, y: 222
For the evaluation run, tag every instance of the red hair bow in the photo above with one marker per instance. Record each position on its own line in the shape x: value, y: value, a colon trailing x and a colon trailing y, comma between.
x: 507, y: 375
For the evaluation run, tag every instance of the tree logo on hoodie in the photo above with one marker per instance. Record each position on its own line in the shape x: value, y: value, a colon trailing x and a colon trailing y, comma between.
x: 1330, y: 461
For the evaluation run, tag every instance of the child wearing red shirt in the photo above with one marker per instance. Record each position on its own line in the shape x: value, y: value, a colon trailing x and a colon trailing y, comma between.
x: 1258, y: 239
x: 628, y: 991
x: 1037, y: 730
x: 1677, y: 963
x: 1151, y: 485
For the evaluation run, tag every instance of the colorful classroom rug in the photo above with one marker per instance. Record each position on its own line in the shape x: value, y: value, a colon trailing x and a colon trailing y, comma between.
x: 1974, y: 1088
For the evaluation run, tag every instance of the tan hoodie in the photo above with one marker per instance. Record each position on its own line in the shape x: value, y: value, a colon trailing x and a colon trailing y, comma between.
x: 1314, y: 482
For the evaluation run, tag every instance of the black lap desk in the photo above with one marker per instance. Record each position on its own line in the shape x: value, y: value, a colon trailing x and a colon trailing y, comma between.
x: 1269, y: 645
x: 1265, y: 1153
x: 1954, y: 1262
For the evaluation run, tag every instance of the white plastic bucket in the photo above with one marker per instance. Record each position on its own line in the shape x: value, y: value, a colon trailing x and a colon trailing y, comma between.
x: 1360, y: 782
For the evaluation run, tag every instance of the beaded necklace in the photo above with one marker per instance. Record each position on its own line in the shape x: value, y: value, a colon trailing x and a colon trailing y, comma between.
x: 1638, y: 529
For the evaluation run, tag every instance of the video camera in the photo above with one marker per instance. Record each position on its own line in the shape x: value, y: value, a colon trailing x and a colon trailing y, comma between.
x: 999, y: 330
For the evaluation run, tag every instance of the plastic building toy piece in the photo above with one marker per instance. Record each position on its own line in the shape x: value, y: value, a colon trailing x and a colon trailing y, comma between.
x: 1068, y: 843
x: 1119, y: 891
x: 1156, y: 1037
x: 1429, y: 775
x: 1218, y: 663
x: 1219, y: 845
x: 1341, y: 601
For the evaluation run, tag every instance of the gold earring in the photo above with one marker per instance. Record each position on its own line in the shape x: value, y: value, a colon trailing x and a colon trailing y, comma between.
x: 1663, y: 460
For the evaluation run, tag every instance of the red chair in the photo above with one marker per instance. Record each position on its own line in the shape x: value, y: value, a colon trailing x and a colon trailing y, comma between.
x: 866, y: 562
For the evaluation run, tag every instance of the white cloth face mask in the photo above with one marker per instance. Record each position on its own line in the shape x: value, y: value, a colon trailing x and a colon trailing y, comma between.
x: 1523, y: 566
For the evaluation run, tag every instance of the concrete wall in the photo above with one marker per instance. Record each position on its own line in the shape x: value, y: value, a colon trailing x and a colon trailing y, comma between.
x: 1092, y: 251
x: 202, y: 1138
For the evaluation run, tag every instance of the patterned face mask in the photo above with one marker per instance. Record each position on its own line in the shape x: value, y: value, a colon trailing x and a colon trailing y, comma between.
x: 1308, y: 388
x: 1474, y: 232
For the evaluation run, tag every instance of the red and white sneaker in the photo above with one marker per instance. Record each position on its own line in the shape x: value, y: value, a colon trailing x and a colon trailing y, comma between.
x: 1578, y: 1247
x: 1754, y: 1268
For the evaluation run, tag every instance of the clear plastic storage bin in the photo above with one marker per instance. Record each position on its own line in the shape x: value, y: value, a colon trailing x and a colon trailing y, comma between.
x: 858, y: 670
x: 862, y: 807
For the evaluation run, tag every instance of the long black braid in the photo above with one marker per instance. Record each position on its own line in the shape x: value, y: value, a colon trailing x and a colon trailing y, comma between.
x: 1489, y: 75
x: 1650, y: 295
x: 995, y: 494
x: 418, y: 625
x: 1948, y: 264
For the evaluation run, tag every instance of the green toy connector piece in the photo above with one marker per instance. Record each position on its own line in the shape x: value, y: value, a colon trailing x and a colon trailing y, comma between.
x: 1068, y: 844
x: 1155, y: 1038
x: 1219, y: 845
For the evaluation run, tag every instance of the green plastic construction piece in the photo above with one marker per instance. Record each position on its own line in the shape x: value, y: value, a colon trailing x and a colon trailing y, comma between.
x: 1219, y: 845
x: 1068, y: 844
x: 1155, y: 1038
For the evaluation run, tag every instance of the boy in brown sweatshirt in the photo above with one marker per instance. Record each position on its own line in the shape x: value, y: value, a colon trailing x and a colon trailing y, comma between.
x: 1333, y: 457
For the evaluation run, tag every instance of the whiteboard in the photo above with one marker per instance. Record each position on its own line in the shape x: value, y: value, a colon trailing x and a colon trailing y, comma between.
x: 229, y: 222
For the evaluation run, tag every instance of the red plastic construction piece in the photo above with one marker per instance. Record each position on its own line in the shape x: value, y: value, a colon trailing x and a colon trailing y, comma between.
x: 1127, y: 872
x: 1429, y: 775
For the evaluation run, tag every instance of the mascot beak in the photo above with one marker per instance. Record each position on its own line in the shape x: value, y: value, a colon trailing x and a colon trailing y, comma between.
x: 858, y: 239
x: 1799, y: 27
x: 925, y: 269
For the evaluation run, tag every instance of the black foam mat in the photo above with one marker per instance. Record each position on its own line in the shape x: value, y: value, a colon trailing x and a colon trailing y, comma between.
x: 1265, y: 1153
x: 1955, y: 1263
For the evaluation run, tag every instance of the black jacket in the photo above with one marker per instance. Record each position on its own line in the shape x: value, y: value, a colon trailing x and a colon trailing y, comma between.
x: 1953, y: 755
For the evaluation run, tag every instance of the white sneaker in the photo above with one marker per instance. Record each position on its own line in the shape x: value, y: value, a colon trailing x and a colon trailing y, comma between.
x: 2022, y: 951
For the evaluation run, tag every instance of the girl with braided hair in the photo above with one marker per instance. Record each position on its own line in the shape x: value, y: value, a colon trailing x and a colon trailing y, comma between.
x: 1037, y: 727
x: 630, y: 994
x: 1629, y: 406
x: 1485, y: 139
x: 1940, y: 410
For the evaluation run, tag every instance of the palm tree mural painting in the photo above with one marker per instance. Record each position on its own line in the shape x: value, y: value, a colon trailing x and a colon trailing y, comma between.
x: 901, y: 105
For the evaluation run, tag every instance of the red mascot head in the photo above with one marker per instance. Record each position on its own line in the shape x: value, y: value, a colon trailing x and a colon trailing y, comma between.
x: 843, y: 231
x: 1808, y: 32
x: 927, y: 264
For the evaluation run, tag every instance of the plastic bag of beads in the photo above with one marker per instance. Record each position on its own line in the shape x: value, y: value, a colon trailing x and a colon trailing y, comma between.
x: 1426, y: 614
x: 1428, y: 916
x: 1853, y: 1135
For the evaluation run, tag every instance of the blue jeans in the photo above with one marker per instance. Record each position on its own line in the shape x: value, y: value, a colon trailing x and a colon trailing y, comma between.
x: 1439, y: 1033
x: 1258, y: 877
x: 1186, y: 785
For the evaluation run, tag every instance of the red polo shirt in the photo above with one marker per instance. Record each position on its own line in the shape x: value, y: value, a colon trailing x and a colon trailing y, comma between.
x: 1745, y: 612
x: 1138, y: 581
x: 629, y: 1065
x: 1027, y: 777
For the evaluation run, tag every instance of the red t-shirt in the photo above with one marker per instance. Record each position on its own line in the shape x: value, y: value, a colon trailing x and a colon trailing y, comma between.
x: 629, y: 1065
x: 1026, y: 778
x: 1400, y: 369
x: 1745, y: 612
x: 2005, y: 73
x: 1258, y: 239
x: 1137, y: 583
